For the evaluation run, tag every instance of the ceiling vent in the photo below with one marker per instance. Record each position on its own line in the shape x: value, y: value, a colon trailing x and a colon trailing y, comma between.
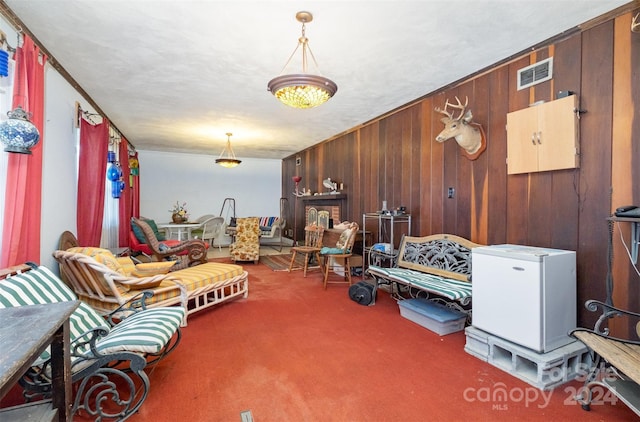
x: 536, y: 73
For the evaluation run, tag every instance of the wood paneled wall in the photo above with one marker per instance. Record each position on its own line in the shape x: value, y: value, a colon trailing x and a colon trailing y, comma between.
x: 396, y: 159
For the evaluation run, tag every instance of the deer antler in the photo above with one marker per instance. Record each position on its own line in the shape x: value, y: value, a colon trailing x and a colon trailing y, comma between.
x: 459, y: 106
x: 444, y: 111
x: 635, y: 23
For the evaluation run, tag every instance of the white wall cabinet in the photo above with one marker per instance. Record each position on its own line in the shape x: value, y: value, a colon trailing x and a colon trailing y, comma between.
x: 543, y: 137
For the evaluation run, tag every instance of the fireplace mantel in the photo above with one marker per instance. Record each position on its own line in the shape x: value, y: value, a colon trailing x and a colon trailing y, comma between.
x: 319, y: 199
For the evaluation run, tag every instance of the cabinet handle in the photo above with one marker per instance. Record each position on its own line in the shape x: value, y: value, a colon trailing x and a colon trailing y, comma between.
x: 518, y: 268
x: 539, y: 136
x: 533, y: 138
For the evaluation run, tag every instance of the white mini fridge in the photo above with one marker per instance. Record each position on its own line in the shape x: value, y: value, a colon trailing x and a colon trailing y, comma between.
x: 523, y: 294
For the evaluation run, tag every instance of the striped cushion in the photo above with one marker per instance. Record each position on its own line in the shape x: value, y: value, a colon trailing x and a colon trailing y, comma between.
x: 147, y: 331
x: 210, y: 273
x: 447, y: 287
x: 267, y: 222
x: 104, y: 257
x: 41, y: 286
x: 109, y: 303
x: 127, y: 264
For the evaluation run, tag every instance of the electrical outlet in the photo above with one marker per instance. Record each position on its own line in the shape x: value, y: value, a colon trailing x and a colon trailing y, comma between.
x: 451, y: 192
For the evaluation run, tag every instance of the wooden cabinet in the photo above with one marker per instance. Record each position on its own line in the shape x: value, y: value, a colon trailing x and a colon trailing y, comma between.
x: 543, y: 137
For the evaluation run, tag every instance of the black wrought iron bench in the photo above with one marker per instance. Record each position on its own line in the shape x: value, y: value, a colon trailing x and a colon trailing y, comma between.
x: 108, y: 356
x: 615, y: 361
x: 437, y: 267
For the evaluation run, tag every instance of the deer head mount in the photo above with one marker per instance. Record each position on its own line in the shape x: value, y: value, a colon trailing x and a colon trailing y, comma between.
x: 468, y: 135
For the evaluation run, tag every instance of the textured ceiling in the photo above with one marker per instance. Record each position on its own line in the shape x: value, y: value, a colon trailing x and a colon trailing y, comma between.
x: 177, y: 75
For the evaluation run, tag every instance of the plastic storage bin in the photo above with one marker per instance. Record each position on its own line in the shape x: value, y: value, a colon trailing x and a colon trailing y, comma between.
x: 432, y: 316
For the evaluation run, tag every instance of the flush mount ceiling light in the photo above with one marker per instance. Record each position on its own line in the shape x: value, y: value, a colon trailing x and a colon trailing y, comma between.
x: 302, y: 90
x: 229, y: 160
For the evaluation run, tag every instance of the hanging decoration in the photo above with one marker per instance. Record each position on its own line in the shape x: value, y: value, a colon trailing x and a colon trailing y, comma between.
x: 17, y: 133
x: 114, y: 171
x: 114, y: 175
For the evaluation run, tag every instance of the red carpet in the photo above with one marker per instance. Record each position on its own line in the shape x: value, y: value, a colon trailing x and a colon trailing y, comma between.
x: 295, y: 352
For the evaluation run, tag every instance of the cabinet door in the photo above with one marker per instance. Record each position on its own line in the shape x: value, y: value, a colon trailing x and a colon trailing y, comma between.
x: 522, y: 147
x: 558, y: 131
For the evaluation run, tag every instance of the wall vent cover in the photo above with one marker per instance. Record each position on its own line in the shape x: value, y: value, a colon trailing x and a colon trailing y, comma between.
x: 535, y: 73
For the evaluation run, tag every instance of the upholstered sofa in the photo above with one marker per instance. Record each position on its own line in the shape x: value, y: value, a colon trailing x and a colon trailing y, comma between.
x: 106, y: 282
x: 271, y: 231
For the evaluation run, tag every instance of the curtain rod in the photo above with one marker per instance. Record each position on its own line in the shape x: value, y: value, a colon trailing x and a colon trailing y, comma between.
x: 19, y: 26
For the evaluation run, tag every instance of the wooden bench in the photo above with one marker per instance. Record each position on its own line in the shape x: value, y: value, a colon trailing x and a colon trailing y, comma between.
x: 437, y: 267
x: 616, y: 363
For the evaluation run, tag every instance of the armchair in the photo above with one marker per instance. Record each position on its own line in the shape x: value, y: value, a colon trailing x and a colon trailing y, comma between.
x: 190, y: 252
x: 246, y: 246
x: 212, y: 229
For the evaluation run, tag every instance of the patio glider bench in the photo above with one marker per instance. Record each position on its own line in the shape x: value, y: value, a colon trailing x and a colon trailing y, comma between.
x: 108, y: 358
x: 615, y: 362
x: 271, y: 231
x: 437, y: 267
x: 106, y: 282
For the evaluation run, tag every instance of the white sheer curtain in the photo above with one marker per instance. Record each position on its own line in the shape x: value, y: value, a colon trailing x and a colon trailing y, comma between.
x: 109, y: 238
x: 6, y: 94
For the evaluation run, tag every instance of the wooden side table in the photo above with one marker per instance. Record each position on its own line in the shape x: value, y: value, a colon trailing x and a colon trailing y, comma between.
x: 25, y: 332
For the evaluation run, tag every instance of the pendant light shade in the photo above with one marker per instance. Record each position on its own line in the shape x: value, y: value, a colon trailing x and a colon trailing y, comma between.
x: 302, y: 90
x: 227, y: 157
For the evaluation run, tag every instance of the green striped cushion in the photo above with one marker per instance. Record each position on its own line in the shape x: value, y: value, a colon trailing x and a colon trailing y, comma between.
x: 147, y: 331
x: 447, y: 287
x: 41, y: 286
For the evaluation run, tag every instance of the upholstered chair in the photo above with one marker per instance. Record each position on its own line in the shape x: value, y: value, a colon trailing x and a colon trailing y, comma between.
x: 246, y: 246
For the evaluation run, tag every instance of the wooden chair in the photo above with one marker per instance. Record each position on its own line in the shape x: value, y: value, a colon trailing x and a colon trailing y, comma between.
x: 342, y: 251
x: 312, y: 245
x: 188, y: 253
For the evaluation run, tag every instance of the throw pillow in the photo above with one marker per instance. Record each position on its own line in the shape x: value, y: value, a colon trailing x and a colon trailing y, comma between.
x: 344, y: 238
x: 106, y: 258
x: 148, y: 269
x: 137, y: 231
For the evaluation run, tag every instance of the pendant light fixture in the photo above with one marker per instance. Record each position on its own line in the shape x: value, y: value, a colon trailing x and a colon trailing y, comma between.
x: 302, y: 90
x: 229, y: 160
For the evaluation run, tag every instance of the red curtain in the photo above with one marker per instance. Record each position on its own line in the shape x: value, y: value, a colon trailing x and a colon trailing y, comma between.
x: 124, y: 214
x: 22, y: 211
x: 92, y: 168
